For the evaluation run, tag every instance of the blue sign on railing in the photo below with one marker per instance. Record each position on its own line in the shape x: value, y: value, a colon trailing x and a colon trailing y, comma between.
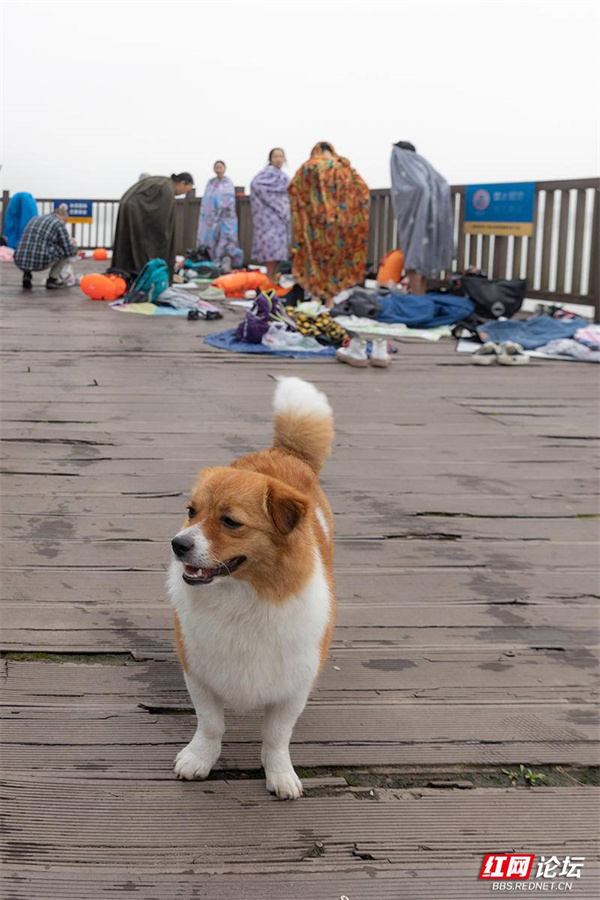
x: 500, y: 208
x: 79, y: 210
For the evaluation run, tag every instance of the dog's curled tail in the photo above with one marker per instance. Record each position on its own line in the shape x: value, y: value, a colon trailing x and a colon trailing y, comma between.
x: 303, y: 421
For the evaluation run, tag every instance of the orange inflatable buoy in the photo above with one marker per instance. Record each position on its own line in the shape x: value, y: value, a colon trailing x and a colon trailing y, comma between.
x: 390, y: 267
x: 100, y: 253
x: 103, y: 287
x: 235, y: 284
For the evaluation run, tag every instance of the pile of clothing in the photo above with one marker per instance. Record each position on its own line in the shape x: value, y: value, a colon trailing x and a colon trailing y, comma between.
x: 412, y: 310
x: 151, y: 294
x: 559, y: 336
x: 305, y: 326
x: 172, y: 302
x: 317, y: 324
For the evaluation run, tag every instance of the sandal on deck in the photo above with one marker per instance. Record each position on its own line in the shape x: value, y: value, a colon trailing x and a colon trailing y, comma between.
x: 511, y: 354
x: 486, y: 355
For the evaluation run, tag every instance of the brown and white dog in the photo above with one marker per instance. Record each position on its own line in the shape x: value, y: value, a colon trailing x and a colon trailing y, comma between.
x: 252, y: 586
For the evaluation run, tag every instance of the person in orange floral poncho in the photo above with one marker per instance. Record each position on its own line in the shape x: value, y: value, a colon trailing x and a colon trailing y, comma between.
x: 330, y: 224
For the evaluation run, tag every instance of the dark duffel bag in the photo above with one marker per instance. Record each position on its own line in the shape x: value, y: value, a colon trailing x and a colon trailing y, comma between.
x: 494, y: 299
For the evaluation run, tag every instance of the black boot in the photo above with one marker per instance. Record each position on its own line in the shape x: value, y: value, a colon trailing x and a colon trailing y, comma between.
x: 26, y: 281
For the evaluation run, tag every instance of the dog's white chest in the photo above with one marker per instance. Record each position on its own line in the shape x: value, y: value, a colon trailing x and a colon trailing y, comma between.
x: 251, y: 652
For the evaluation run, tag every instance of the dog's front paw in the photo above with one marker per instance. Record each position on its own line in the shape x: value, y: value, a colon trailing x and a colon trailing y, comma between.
x: 190, y: 764
x: 286, y: 785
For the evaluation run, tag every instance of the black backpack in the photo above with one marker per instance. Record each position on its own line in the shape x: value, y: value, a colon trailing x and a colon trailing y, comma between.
x: 197, y: 254
x: 494, y: 299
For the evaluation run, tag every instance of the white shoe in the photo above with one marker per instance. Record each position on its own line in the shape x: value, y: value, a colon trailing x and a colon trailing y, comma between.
x: 486, y: 355
x: 511, y: 354
x: 354, y: 353
x: 379, y: 353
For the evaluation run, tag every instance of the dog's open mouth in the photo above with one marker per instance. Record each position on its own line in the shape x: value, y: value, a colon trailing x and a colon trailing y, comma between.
x: 192, y: 575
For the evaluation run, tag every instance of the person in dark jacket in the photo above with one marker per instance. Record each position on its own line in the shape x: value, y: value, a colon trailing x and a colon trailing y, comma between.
x: 146, y: 222
x: 46, y: 243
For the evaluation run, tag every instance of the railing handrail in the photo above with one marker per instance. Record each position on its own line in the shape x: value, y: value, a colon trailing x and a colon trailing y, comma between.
x: 560, y: 261
x: 552, y: 185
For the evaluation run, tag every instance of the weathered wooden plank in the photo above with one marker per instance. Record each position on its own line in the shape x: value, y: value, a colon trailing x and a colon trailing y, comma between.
x: 439, y: 585
x: 434, y: 671
x: 123, y: 628
x: 375, y: 880
x: 120, y: 633
x: 390, y: 470
x: 135, y: 818
x: 371, y: 729
x: 377, y: 525
x: 469, y: 502
x: 181, y: 455
x: 359, y: 554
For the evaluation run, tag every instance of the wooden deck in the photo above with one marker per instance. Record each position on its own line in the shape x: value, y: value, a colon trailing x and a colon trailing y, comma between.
x: 466, y: 506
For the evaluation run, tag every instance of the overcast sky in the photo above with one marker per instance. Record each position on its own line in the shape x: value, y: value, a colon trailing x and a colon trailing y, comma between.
x: 492, y: 90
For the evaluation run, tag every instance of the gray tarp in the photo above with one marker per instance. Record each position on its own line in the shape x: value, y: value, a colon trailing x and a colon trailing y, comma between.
x: 422, y: 206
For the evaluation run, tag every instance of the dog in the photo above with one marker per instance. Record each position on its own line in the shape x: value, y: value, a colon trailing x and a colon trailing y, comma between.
x: 252, y: 587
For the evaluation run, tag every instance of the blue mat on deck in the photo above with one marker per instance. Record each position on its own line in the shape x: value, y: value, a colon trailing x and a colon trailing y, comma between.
x: 225, y: 340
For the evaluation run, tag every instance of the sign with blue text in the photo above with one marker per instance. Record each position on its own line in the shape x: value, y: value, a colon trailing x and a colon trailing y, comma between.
x: 80, y: 211
x: 500, y: 208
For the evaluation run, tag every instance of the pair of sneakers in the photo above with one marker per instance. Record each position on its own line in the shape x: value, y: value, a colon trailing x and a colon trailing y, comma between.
x: 52, y: 284
x: 508, y: 353
x: 354, y: 353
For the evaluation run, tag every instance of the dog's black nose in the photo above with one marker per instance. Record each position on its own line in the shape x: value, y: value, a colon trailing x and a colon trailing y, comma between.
x: 181, y: 545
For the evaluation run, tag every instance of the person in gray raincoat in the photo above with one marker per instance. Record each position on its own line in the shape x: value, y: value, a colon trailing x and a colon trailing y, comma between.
x: 422, y: 206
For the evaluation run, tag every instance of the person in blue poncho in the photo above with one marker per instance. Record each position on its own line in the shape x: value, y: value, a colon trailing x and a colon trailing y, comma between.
x: 20, y: 210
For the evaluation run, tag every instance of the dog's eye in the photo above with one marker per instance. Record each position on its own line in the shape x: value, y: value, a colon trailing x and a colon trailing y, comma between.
x: 230, y: 523
x: 191, y: 512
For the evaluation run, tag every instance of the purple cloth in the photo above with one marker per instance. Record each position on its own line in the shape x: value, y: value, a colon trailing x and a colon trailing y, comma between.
x: 270, y: 206
x: 218, y: 224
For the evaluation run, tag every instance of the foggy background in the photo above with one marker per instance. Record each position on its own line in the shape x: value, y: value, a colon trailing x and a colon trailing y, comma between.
x: 95, y: 93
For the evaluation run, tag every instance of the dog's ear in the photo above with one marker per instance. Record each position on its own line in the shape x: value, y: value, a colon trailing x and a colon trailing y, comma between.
x: 285, y: 506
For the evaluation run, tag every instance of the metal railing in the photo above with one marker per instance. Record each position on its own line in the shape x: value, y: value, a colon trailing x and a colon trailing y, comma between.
x: 560, y: 260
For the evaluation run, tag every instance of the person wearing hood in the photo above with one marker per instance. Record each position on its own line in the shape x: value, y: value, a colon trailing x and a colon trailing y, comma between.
x: 146, y: 222
x: 20, y: 210
x: 422, y: 205
x: 218, y: 221
x: 270, y: 204
x: 330, y: 224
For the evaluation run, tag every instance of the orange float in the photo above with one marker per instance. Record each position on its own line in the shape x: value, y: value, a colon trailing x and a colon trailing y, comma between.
x: 235, y: 284
x: 390, y: 267
x: 103, y: 287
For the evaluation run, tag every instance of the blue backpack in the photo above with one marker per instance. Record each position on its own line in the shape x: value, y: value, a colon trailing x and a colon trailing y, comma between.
x: 152, y: 280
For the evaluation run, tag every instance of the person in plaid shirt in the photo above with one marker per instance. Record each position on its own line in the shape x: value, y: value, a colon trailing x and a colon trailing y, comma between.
x: 45, y: 242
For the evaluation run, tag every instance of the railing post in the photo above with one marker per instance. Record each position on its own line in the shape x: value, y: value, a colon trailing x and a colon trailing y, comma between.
x: 5, y: 200
x: 189, y: 233
x: 594, y: 280
x: 244, y: 214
